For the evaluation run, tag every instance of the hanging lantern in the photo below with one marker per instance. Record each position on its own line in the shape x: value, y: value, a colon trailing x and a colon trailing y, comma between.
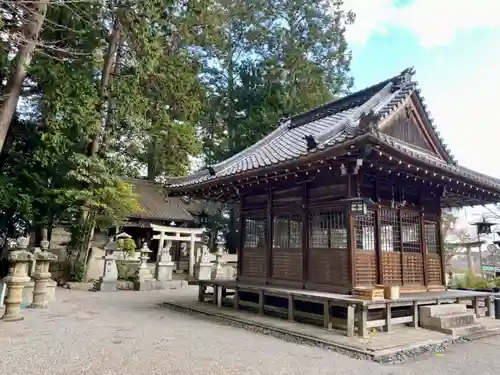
x: 203, y: 219
x: 483, y: 227
x: 357, y: 206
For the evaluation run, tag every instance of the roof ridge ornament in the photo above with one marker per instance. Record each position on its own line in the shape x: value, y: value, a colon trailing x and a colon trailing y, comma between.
x: 351, y: 123
x: 368, y: 121
x: 404, y: 78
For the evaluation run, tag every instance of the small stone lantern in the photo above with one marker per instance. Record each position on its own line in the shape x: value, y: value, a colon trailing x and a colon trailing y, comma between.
x: 41, y: 275
x: 143, y: 274
x: 219, y: 271
x: 19, y: 259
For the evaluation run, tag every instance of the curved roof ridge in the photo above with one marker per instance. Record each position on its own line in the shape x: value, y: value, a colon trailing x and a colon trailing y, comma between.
x: 249, y: 150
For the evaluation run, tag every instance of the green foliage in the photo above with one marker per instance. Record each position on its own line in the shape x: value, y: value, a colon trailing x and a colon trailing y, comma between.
x: 471, y: 280
x: 78, y: 273
x: 128, y: 246
x: 123, y: 271
x: 273, y: 59
x: 122, y: 89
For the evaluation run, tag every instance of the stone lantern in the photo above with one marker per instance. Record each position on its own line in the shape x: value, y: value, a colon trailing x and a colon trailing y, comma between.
x: 107, y: 282
x: 143, y: 277
x: 19, y: 259
x: 41, y: 275
x: 219, y: 270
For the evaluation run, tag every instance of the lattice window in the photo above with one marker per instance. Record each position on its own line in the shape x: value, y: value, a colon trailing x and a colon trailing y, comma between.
x: 410, y: 232
x: 390, y: 233
x: 328, y: 230
x: 431, y: 238
x: 255, y: 232
x: 364, y: 228
x: 287, y: 231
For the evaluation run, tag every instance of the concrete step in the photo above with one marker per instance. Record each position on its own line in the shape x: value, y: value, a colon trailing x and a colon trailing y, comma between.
x: 452, y: 320
x: 437, y: 310
x: 463, y: 330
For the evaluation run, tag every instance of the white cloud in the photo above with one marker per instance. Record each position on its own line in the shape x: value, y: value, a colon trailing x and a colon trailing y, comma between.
x: 433, y: 22
x: 464, y: 102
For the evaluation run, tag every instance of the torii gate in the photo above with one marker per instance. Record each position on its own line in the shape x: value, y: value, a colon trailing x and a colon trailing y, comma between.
x: 169, y: 233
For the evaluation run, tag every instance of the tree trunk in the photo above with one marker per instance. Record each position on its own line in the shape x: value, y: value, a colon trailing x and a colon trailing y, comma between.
x: 108, y: 66
x: 470, y: 260
x: 107, y: 70
x: 35, y: 16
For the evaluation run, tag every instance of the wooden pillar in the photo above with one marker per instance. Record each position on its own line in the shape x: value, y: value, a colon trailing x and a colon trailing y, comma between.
x: 305, y: 236
x: 269, y: 241
x: 441, y: 249
x: 424, y: 248
x: 400, y: 222
x: 241, y: 241
x: 351, y: 237
x: 351, y: 250
x: 378, y: 246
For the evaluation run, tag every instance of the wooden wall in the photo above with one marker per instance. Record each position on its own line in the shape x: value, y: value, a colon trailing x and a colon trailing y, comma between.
x: 301, y: 235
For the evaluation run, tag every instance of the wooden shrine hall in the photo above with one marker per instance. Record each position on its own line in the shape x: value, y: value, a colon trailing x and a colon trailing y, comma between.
x: 348, y: 194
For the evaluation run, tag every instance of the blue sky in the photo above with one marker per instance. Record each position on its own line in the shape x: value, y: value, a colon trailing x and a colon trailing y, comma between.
x: 454, y: 46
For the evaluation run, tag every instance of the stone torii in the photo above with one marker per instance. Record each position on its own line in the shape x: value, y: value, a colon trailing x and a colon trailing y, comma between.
x: 171, y: 233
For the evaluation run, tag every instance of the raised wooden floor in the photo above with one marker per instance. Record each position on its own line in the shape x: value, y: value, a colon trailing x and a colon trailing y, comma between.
x: 355, y: 317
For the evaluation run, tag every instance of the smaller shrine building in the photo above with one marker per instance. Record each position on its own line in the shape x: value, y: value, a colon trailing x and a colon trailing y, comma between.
x: 348, y: 194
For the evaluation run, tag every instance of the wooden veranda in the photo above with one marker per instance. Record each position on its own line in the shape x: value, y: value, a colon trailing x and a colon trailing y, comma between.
x: 343, y: 312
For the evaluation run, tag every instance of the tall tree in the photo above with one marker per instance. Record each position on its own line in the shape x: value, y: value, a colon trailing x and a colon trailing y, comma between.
x: 276, y: 58
x: 22, y: 22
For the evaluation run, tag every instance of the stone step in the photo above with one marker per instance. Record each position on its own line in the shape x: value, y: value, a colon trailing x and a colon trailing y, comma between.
x: 463, y: 330
x: 437, y: 310
x: 452, y: 320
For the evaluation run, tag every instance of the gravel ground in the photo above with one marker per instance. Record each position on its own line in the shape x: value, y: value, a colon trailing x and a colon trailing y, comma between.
x: 128, y: 333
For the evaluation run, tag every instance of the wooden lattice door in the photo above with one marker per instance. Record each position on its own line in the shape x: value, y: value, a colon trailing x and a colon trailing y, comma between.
x: 413, y: 265
x: 366, y: 270
x: 390, y: 247
x: 434, y: 259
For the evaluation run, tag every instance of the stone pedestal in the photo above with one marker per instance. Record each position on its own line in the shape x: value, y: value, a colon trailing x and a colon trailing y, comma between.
x: 143, y: 276
x: 164, y: 264
x: 27, y: 295
x: 41, y: 275
x: 107, y: 282
x: 164, y: 271
x: 19, y: 259
x: 51, y: 291
x: 203, y: 271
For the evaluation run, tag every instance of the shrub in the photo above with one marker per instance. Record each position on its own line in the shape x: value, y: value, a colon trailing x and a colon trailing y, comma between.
x: 122, y: 271
x: 78, y: 273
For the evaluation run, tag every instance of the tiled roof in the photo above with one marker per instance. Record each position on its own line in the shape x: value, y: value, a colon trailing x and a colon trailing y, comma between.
x: 155, y: 205
x: 432, y: 160
x: 325, y: 126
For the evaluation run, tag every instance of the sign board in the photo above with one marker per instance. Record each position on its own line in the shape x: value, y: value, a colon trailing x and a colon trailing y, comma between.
x: 490, y: 268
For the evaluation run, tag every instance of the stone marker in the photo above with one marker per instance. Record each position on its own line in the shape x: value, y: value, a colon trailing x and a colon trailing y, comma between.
x: 19, y: 259
x: 107, y: 282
